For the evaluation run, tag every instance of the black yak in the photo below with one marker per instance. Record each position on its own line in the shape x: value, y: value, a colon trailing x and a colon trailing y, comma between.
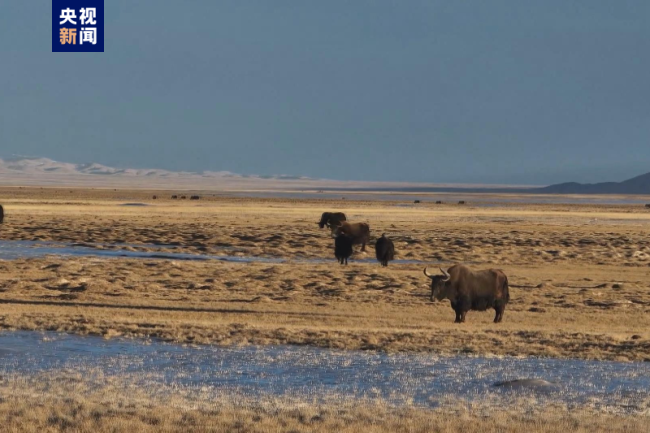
x: 331, y: 219
x: 384, y: 250
x: 343, y: 248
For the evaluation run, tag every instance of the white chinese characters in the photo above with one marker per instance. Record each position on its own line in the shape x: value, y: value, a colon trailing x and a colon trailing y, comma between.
x: 68, y: 15
x: 88, y: 16
x: 81, y: 33
x: 88, y: 34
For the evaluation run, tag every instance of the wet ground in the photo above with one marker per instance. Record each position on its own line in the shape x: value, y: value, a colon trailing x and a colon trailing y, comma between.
x: 10, y: 250
x: 422, y: 379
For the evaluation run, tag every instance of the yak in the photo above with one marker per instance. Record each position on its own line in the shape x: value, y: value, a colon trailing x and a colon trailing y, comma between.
x: 384, y: 250
x: 2, y: 214
x: 343, y: 248
x: 471, y: 290
x: 359, y: 232
x: 331, y: 219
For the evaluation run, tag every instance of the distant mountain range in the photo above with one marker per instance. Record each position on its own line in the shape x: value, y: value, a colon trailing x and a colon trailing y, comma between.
x: 47, y: 172
x: 26, y: 171
x: 37, y: 166
x: 30, y: 171
x: 636, y: 185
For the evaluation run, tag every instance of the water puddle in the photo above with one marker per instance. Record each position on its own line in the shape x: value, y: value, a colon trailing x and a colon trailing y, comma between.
x: 423, y: 379
x: 11, y: 250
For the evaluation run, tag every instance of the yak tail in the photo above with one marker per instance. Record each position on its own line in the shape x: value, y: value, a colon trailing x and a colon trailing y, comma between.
x: 506, y: 291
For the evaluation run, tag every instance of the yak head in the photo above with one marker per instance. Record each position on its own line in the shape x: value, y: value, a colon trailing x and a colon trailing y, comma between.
x: 439, y: 286
x: 338, y: 228
x: 324, y: 219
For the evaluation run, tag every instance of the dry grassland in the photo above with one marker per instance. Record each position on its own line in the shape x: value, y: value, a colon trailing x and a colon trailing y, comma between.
x: 580, y: 278
x: 68, y: 402
x: 579, y: 274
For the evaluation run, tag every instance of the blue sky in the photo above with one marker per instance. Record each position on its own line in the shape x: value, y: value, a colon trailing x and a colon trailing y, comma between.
x: 521, y: 92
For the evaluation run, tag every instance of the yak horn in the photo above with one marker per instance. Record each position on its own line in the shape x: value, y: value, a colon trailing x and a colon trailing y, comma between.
x: 427, y: 274
x: 446, y: 274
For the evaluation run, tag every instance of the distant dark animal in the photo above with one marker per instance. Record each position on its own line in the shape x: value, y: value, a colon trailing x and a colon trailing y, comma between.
x: 416, y: 201
x: 438, y: 202
x: 343, y: 248
x: 183, y: 197
x: 461, y: 202
x: 2, y: 214
x: 359, y: 232
x: 648, y: 205
x: 331, y: 219
x: 174, y: 197
x: 384, y: 250
x: 195, y: 197
x: 468, y: 290
x: 155, y: 197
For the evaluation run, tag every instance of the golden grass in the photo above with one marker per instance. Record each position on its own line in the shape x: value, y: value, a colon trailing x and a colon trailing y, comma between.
x: 67, y: 402
x: 580, y: 277
x: 358, y: 307
x: 579, y: 274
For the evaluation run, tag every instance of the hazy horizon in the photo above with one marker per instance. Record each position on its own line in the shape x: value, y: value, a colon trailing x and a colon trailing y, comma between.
x: 505, y: 92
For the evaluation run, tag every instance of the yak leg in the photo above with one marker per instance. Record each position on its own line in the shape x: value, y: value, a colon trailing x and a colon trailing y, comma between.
x: 454, y: 306
x: 498, y: 315
x: 457, y: 310
x: 363, y: 246
x: 462, y: 306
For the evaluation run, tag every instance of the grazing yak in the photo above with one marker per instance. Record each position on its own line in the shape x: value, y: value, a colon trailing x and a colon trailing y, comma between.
x: 2, y: 214
x: 384, y: 250
x: 331, y: 220
x: 195, y: 197
x: 343, y: 248
x: 468, y: 290
x: 359, y: 232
